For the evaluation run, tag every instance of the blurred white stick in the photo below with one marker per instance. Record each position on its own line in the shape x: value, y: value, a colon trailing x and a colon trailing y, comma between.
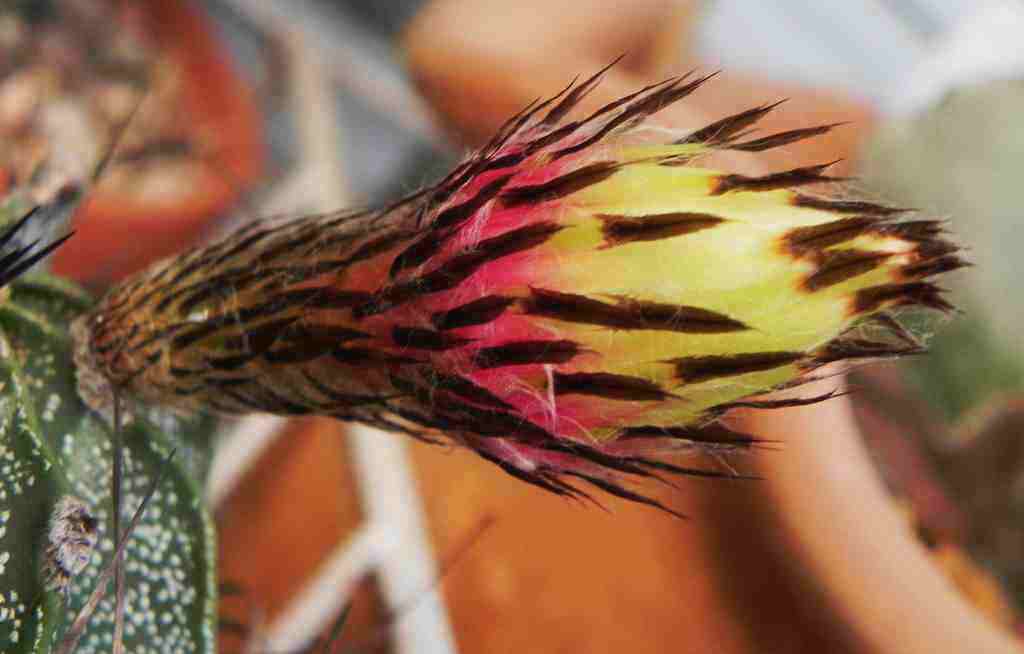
x: 393, y: 541
x: 406, y: 569
x: 238, y: 448
x: 322, y: 599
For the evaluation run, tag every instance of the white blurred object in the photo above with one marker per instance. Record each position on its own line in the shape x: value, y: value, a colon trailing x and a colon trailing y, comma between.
x: 859, y: 47
x: 902, y: 55
x: 986, y: 46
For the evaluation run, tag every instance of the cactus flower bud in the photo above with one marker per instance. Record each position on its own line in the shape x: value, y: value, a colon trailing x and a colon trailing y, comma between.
x: 572, y: 301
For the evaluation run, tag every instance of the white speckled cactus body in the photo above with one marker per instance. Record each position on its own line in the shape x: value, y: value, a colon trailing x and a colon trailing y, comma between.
x: 53, y: 448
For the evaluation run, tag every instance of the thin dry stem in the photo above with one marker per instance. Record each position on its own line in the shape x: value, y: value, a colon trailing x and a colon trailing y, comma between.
x: 117, y: 499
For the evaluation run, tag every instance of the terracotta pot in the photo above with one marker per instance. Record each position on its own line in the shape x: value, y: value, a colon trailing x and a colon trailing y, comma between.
x: 119, y: 232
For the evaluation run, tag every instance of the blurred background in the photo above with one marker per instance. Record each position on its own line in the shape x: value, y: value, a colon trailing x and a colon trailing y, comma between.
x: 308, y: 105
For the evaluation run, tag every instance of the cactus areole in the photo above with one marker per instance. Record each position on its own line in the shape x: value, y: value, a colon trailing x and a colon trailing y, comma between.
x: 574, y: 300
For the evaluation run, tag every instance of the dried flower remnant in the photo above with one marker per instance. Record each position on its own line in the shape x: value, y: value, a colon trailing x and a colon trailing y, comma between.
x: 573, y: 301
x: 70, y: 543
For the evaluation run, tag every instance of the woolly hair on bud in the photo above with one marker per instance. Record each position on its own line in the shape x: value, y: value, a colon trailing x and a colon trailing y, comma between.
x: 575, y: 301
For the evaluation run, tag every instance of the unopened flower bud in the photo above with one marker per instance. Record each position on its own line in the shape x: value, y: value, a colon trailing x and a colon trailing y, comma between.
x: 574, y: 299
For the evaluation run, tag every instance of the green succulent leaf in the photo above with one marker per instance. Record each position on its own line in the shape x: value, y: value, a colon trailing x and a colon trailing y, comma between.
x: 51, y: 445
